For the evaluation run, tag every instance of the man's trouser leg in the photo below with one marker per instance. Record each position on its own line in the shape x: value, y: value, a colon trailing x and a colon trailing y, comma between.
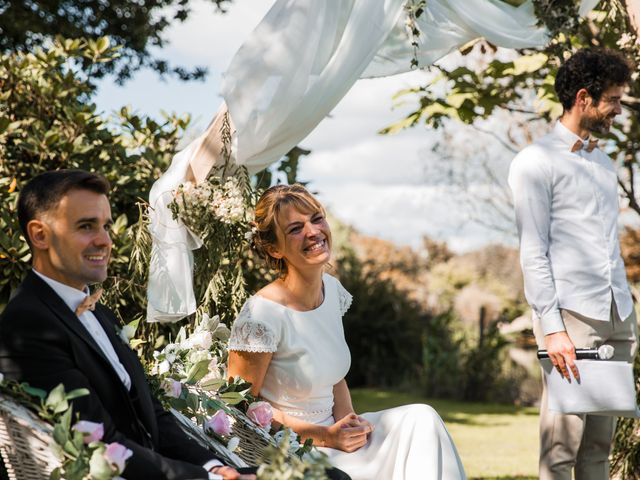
x: 583, y: 441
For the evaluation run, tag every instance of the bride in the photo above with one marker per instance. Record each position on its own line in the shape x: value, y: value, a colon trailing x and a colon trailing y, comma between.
x: 288, y: 341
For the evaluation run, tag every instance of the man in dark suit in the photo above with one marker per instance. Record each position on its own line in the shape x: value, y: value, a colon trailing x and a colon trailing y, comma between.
x: 65, y: 217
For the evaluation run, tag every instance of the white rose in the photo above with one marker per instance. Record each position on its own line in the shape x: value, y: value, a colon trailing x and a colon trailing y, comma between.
x: 198, y: 356
x: 201, y: 340
x: 163, y: 367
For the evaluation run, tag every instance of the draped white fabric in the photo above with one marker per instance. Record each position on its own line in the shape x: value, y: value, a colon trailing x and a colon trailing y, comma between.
x: 292, y: 71
x: 170, y: 295
x: 448, y: 24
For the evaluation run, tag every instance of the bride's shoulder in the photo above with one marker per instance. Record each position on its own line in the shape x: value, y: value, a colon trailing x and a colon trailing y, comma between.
x: 265, y: 306
x: 274, y: 292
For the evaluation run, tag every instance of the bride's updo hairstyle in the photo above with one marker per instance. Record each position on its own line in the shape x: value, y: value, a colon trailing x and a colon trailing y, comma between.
x: 268, y: 208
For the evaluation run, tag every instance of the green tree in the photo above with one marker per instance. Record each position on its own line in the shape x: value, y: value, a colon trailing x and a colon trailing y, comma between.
x: 138, y: 26
x: 48, y: 121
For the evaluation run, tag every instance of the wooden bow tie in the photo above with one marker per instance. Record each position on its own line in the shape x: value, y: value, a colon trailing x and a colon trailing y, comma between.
x: 89, y: 303
x: 579, y: 145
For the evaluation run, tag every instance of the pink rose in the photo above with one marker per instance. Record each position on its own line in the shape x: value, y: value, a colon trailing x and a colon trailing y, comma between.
x: 219, y: 423
x: 172, y: 388
x: 261, y: 413
x: 117, y: 455
x: 92, y: 431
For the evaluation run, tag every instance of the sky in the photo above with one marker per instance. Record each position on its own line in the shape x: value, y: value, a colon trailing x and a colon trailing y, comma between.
x: 390, y: 186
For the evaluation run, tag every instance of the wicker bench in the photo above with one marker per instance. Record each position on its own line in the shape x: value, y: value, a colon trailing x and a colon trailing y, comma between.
x: 253, y: 439
x: 25, y: 439
x: 24, y: 442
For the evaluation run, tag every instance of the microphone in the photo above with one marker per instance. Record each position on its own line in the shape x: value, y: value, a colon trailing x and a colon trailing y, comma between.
x: 604, y: 352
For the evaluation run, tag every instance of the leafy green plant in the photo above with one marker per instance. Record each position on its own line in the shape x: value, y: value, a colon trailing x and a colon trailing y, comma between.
x: 280, y: 465
x: 48, y: 121
x: 137, y: 26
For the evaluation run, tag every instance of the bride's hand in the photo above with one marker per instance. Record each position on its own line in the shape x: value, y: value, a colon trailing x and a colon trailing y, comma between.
x: 361, y: 421
x: 348, y: 434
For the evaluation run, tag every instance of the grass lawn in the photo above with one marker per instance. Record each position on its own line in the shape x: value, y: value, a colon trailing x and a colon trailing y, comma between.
x: 494, y: 441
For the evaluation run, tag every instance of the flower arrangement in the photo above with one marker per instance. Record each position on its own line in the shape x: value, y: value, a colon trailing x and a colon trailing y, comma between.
x: 192, y: 375
x: 79, y: 447
x: 217, y: 199
x: 219, y: 211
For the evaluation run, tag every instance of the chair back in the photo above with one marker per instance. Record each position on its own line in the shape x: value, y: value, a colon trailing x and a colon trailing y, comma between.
x: 24, y: 442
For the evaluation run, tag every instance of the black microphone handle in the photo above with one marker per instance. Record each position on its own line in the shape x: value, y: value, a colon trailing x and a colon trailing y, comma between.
x: 581, y: 354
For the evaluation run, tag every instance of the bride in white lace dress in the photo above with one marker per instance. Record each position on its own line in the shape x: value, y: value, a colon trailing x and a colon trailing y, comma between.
x: 288, y: 341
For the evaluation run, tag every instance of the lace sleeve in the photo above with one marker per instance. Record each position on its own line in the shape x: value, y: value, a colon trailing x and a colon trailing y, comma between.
x: 248, y: 335
x: 344, y: 298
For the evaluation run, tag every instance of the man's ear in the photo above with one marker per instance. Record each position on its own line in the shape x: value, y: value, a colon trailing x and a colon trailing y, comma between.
x: 583, y: 98
x: 39, y: 234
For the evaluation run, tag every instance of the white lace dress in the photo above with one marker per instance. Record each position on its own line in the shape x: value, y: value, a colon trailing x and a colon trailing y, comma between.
x: 310, y: 356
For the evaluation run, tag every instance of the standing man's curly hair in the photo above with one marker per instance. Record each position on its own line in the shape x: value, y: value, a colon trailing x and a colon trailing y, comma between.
x: 592, y: 69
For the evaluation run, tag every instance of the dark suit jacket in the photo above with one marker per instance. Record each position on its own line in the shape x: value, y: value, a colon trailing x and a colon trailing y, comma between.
x: 42, y: 342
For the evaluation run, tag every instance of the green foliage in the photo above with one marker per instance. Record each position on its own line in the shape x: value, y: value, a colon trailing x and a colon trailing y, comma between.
x: 283, y: 466
x: 443, y: 345
x: 14, y: 252
x: 47, y: 121
x: 382, y: 327
x: 138, y: 26
x: 219, y: 211
x: 460, y: 365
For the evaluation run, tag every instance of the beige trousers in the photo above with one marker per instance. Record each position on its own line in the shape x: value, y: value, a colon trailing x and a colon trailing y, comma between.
x: 583, y: 442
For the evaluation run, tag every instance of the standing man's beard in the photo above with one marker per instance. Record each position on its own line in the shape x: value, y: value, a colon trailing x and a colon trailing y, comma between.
x: 597, y: 122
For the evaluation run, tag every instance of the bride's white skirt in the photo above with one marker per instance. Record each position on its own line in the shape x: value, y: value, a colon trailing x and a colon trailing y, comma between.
x: 408, y: 443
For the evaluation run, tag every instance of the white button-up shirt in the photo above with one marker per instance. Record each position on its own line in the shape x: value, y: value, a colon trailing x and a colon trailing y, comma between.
x: 566, y: 208
x: 74, y: 297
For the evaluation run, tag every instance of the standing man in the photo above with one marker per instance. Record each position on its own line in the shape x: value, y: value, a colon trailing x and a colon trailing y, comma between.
x: 566, y: 201
x: 46, y: 339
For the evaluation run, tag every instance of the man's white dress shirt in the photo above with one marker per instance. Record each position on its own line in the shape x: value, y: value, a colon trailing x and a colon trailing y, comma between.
x: 566, y: 208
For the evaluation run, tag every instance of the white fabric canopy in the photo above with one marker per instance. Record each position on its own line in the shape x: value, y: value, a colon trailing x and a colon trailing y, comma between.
x: 294, y: 68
